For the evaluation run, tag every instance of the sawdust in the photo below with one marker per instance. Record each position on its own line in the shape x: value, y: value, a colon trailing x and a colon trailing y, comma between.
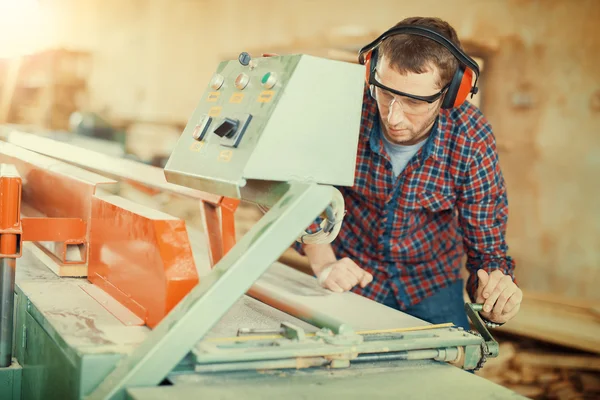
x: 85, y: 327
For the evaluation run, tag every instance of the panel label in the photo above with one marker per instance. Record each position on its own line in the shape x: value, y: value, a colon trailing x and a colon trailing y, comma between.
x: 225, y: 155
x: 236, y: 98
x: 265, y: 96
x: 196, y: 146
x: 215, y: 111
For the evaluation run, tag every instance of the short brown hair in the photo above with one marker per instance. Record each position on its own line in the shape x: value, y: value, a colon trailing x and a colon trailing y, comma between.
x: 411, y: 53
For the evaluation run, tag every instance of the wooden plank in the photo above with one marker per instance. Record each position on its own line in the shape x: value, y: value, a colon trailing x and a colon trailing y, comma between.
x: 300, y: 295
x: 590, y: 383
x: 550, y: 322
x: 531, y: 392
x: 579, y: 303
x: 564, y: 361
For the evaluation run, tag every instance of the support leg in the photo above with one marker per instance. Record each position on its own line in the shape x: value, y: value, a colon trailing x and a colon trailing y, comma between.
x: 7, y: 293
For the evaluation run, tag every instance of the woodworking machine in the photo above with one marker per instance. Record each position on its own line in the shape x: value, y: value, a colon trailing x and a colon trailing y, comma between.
x: 116, y: 300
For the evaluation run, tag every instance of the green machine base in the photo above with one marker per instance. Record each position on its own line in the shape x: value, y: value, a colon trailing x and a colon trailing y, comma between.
x: 10, y: 382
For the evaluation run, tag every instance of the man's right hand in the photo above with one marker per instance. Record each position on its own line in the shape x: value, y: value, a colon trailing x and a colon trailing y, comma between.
x: 342, y: 275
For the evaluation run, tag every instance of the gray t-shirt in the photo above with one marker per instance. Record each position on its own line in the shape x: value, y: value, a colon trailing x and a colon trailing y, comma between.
x: 400, y: 154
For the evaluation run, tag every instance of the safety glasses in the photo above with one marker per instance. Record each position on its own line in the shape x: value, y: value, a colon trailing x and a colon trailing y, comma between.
x: 428, y: 99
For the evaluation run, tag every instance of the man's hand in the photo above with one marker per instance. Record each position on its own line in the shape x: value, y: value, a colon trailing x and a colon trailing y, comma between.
x: 500, y: 296
x: 342, y: 275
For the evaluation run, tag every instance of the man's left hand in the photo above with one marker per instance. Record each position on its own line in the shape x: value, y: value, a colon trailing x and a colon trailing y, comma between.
x: 500, y: 296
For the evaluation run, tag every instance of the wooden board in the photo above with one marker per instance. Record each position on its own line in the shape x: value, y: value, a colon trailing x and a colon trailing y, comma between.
x: 552, y: 322
x: 564, y: 302
x: 563, y: 361
x: 299, y: 294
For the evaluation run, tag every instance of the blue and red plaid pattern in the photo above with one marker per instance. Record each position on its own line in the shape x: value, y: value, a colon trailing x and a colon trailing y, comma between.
x: 411, y: 232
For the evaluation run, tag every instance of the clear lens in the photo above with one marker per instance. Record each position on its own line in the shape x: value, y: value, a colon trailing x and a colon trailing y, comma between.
x: 409, y: 106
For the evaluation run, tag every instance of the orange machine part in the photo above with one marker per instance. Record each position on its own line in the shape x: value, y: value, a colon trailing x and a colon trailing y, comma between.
x: 143, y: 262
x: 212, y: 229
x: 14, y: 230
x: 51, y: 194
x: 10, y: 211
x: 53, y: 229
x: 219, y: 225
x: 228, y: 207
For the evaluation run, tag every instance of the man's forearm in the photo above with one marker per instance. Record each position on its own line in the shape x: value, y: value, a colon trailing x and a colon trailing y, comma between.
x: 319, y: 255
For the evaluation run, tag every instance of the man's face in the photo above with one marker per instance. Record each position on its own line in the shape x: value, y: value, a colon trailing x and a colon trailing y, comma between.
x: 405, y: 120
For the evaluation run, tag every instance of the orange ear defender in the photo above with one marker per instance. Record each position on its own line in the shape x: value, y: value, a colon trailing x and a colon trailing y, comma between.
x: 462, y: 81
x: 367, y: 62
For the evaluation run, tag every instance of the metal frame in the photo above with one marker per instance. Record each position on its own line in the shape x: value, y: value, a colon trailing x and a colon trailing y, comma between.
x: 436, y: 343
x: 220, y: 229
x: 205, y: 305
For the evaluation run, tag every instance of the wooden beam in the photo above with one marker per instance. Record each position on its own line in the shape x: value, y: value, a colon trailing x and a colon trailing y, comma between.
x: 572, y: 302
x: 550, y: 321
x: 563, y: 361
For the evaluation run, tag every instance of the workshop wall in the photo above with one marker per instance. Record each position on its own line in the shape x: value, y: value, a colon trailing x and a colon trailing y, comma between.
x: 541, y: 91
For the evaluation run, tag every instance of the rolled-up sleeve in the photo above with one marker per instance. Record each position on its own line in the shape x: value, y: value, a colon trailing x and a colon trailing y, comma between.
x: 483, y: 215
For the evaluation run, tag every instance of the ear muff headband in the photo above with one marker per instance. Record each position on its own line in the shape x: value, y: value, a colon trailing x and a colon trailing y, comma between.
x: 460, y: 86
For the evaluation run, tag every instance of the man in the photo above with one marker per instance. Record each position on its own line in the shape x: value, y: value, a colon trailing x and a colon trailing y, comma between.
x: 428, y: 188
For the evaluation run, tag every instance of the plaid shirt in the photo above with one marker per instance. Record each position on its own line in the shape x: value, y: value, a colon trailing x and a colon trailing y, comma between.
x: 411, y: 232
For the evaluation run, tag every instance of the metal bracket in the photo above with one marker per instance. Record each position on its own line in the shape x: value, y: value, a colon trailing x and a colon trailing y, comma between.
x: 489, y: 348
x: 287, y: 330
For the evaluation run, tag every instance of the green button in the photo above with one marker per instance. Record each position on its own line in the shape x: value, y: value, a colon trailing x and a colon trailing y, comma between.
x: 265, y: 77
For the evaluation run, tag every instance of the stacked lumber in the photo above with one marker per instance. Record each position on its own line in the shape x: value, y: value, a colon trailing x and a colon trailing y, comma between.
x: 540, y: 373
x: 533, y: 365
x: 43, y: 89
x: 574, y: 323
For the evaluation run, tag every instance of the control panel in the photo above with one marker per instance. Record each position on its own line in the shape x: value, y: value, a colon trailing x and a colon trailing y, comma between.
x: 278, y: 118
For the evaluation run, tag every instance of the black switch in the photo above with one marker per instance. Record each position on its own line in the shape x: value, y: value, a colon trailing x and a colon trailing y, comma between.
x: 227, y: 128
